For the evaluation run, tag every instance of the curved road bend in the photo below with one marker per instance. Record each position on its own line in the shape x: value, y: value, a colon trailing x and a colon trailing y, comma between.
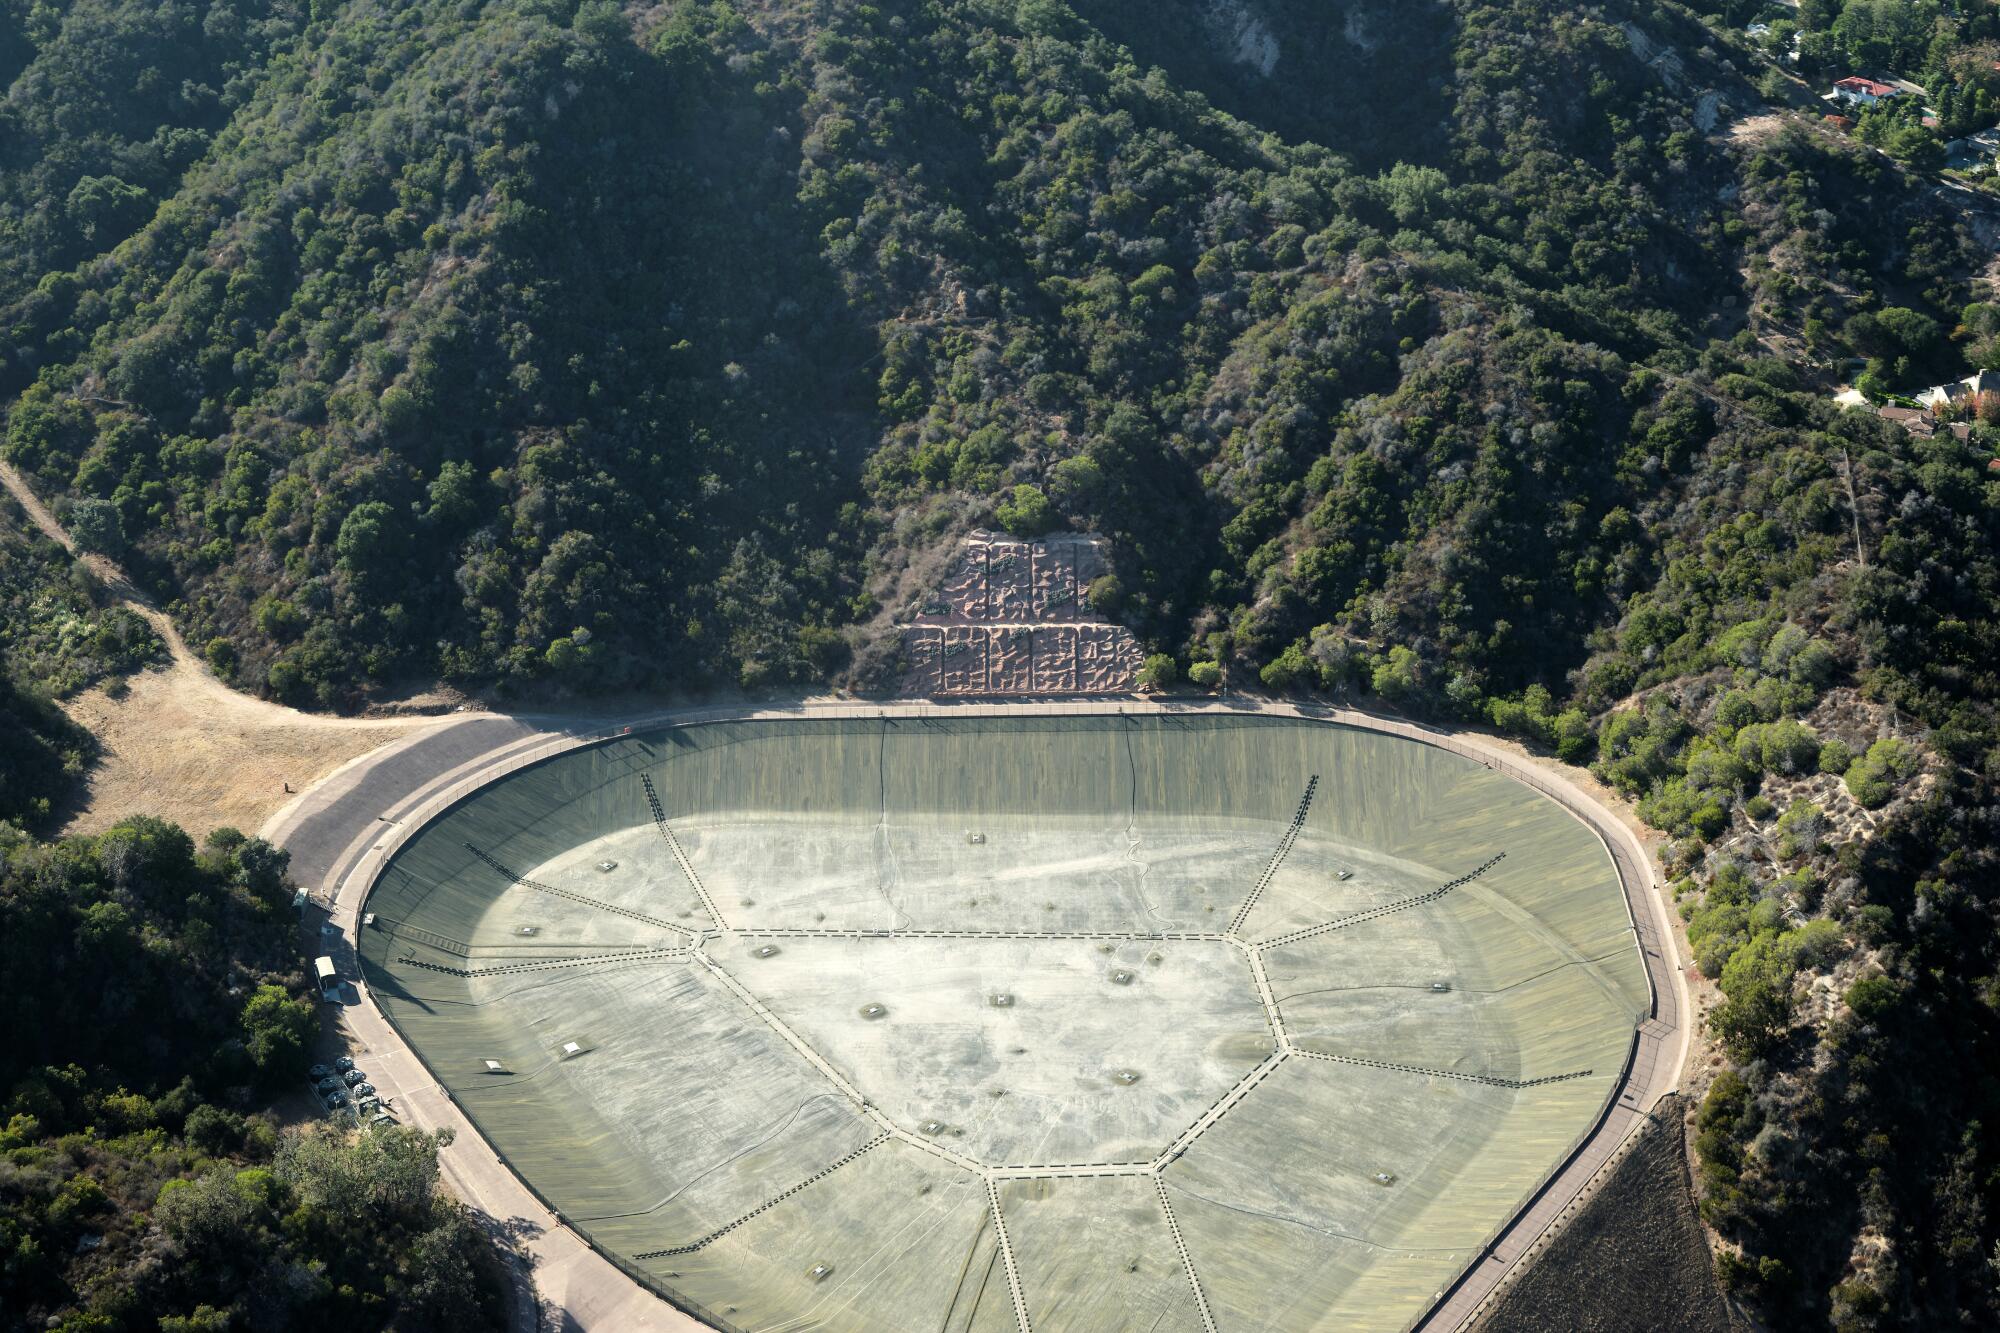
x: 340, y: 831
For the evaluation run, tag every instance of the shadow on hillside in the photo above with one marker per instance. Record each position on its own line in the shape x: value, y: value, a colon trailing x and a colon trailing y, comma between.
x: 1372, y: 82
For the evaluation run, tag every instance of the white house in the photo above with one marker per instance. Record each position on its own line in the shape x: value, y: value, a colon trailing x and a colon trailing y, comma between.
x: 1857, y: 91
x: 1983, y: 381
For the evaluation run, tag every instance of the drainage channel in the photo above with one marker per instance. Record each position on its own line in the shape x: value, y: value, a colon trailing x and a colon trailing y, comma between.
x: 1187, y: 1260
x: 680, y: 854
x: 765, y: 1206
x: 550, y: 964
x: 1401, y: 904
x: 1291, y: 835
x: 600, y: 905
x: 1487, y: 1079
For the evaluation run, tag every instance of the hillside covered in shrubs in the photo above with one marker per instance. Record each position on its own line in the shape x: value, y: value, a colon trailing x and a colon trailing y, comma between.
x: 158, y: 1014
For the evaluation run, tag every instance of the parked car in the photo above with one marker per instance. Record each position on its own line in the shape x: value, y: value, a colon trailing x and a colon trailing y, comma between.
x: 336, y: 1102
x: 319, y: 1071
x: 343, y: 1064
x: 364, y: 1089
x: 326, y: 1085
x: 352, y: 1077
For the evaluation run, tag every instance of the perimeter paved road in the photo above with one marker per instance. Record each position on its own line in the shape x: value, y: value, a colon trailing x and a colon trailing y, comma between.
x: 341, y: 831
x: 335, y: 811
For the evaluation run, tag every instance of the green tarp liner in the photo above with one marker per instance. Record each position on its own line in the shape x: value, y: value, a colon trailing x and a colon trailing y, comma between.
x: 1011, y: 938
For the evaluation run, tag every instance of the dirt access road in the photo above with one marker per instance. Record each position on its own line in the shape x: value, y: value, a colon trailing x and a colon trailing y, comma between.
x: 178, y: 743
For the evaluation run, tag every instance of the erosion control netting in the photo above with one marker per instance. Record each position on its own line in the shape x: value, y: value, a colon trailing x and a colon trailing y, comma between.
x: 1068, y: 1022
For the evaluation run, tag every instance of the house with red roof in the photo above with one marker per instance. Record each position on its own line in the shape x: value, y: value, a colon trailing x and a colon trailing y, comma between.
x: 1857, y: 91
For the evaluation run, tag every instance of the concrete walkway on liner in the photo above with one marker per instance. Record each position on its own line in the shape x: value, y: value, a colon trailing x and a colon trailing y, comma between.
x: 342, y: 831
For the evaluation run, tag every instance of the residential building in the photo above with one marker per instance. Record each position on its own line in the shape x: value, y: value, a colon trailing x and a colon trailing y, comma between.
x: 1857, y: 91
x: 1916, y: 420
x: 1972, y: 386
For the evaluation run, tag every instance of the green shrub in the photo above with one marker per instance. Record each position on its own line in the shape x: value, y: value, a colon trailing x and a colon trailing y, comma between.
x: 1784, y: 746
x: 1816, y: 944
x: 1289, y: 669
x: 1396, y: 675
x: 1682, y: 809
x: 1873, y: 998
x: 1027, y: 512
x: 1873, y: 778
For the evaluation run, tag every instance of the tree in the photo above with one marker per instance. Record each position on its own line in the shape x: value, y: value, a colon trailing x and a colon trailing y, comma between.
x: 1396, y: 674
x: 1892, y: 332
x: 456, y: 495
x: 208, y: 1215
x: 213, y: 1129
x: 344, y: 1175
x: 1575, y: 737
x: 104, y: 208
x: 96, y: 525
x: 1413, y: 193
x: 278, y: 1031
x: 1159, y: 672
x: 1757, y: 986
x: 1027, y: 512
x: 444, y: 1283
x: 1289, y: 669
x: 373, y: 539
x: 1077, y: 482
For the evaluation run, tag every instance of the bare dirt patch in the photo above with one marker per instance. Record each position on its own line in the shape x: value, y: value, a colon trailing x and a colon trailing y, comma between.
x: 180, y: 744
x: 1756, y: 131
